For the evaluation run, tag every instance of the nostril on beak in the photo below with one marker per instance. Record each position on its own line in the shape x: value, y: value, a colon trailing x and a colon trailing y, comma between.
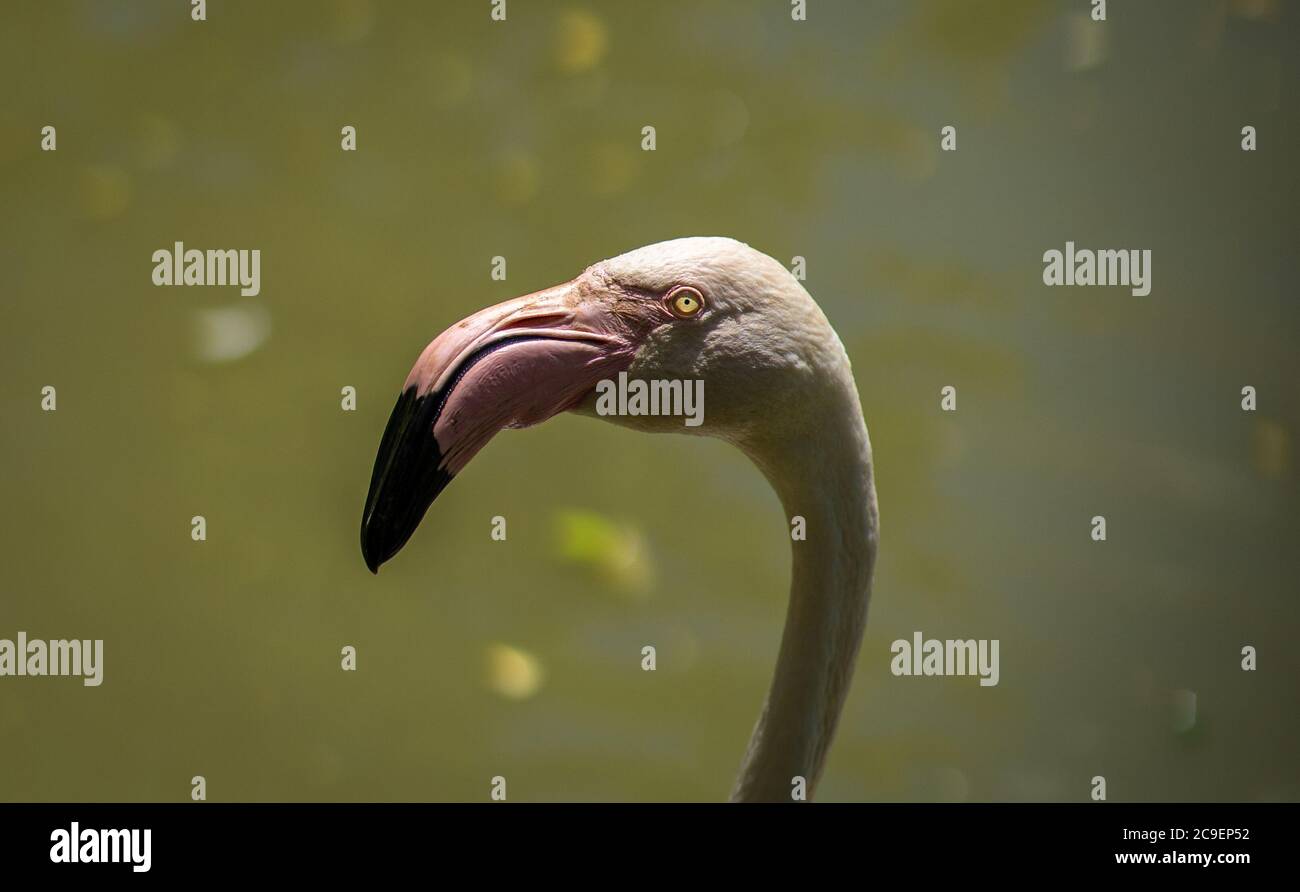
x: 543, y: 319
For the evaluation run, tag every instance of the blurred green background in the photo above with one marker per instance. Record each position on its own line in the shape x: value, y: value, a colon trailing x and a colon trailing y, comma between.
x: 522, y: 139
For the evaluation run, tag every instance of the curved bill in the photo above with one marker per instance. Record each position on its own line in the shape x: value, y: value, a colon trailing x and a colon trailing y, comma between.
x: 511, y: 365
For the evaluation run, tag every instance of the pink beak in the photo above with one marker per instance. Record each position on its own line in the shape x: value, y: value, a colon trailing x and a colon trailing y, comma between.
x: 511, y: 365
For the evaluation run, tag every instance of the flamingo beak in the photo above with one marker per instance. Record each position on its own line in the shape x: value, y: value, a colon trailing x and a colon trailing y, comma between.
x: 511, y: 365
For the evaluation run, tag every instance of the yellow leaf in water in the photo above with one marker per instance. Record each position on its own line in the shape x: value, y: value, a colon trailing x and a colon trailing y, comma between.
x: 616, y: 552
x: 224, y: 334
x: 580, y: 41
x: 513, y: 673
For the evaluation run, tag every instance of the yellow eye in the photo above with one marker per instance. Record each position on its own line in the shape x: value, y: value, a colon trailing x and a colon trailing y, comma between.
x: 687, y: 302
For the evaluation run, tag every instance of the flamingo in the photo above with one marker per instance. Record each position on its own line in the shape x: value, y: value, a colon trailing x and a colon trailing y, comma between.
x: 779, y: 387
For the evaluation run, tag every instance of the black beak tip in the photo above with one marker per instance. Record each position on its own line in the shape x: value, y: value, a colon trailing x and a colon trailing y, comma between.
x: 372, y: 549
x: 408, y: 476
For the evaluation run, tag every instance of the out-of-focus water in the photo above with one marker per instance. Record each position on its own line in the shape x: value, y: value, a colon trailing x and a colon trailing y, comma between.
x: 522, y: 139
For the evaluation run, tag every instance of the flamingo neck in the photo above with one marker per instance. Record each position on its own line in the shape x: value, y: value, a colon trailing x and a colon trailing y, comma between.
x: 822, y: 473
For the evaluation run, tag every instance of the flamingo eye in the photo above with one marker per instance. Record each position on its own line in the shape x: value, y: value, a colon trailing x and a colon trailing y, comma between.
x: 686, y: 301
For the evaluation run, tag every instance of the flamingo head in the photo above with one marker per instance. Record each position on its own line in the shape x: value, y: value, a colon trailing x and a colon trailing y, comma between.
x: 691, y: 309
